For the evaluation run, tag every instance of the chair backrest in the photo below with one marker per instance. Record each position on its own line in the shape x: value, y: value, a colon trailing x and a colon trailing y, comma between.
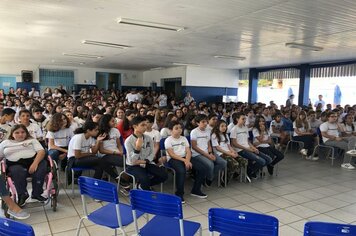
x: 314, y: 228
x: 250, y: 136
x: 162, y: 148
x: 188, y: 138
x: 98, y: 189
x: 13, y: 228
x: 161, y: 204
x: 234, y: 222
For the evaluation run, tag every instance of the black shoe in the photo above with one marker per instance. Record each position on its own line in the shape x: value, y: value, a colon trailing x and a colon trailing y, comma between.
x: 198, y: 194
x: 40, y: 198
x: 22, y: 199
x: 270, y: 170
x: 253, y: 175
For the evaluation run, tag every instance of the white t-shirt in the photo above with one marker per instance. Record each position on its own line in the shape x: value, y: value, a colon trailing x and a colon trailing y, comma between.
x: 177, y: 144
x: 35, y: 131
x: 229, y: 128
x: 13, y: 150
x: 241, y: 136
x: 111, y: 144
x: 277, y: 125
x: 155, y: 135
x: 202, y: 138
x: 301, y: 129
x: 165, y: 132
x: 162, y: 100
x: 131, y: 97
x: 224, y: 143
x: 346, y: 128
x: 249, y: 121
x: 5, y: 131
x: 330, y: 129
x: 79, y: 142
x: 61, y: 137
x: 256, y: 134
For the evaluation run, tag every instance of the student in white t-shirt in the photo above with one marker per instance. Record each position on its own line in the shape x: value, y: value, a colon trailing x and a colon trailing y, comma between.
x: 239, y: 140
x: 331, y: 132
x: 202, y: 153
x: 82, y: 150
x: 162, y: 100
x: 221, y: 145
x: 179, y: 157
x: 156, y: 137
x: 277, y: 129
x: 58, y: 136
x: 34, y: 130
x: 263, y: 142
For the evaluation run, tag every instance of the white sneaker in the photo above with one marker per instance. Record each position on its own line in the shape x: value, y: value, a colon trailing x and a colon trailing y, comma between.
x: 314, y: 158
x: 304, y: 151
x: 347, y: 166
x: 309, y: 158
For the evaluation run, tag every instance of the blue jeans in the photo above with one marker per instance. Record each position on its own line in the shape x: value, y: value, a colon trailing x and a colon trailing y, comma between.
x: 213, y: 167
x: 200, y: 170
x: 256, y: 161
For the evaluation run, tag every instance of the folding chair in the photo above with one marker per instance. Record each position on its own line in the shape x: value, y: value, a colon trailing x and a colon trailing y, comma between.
x: 13, y: 228
x: 320, y: 144
x: 114, y: 215
x: 314, y: 228
x: 233, y: 222
x: 168, y: 219
x: 167, y: 165
x: 291, y: 141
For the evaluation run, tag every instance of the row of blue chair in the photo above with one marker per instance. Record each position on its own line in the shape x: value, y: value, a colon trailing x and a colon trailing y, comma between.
x: 169, y: 220
x: 168, y: 216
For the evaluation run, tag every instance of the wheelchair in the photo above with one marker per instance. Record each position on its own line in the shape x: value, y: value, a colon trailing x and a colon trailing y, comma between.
x: 51, y: 185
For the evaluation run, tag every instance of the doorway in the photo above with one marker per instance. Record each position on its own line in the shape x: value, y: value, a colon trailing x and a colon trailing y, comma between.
x: 107, y: 81
x: 173, y: 87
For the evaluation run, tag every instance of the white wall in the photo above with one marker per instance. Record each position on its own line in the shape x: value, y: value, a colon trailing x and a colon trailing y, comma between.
x: 156, y: 75
x: 208, y: 77
x: 81, y: 74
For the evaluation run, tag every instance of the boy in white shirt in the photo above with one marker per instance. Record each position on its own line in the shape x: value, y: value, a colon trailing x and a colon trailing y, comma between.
x: 202, y: 152
x: 179, y: 157
x: 155, y: 135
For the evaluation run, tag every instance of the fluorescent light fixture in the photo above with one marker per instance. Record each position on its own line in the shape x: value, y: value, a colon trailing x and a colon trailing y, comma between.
x: 230, y: 57
x: 104, y: 44
x: 184, y: 64
x: 82, y: 55
x: 68, y: 62
x: 149, y: 24
x: 157, y: 68
x: 304, y: 47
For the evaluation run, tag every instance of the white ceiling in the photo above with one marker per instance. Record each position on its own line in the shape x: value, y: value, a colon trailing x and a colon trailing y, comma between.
x: 39, y: 31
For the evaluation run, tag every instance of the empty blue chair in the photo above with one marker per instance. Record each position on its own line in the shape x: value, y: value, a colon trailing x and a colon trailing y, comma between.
x: 13, y: 228
x: 114, y: 215
x: 73, y: 170
x: 233, y: 222
x: 168, y: 219
x: 314, y: 228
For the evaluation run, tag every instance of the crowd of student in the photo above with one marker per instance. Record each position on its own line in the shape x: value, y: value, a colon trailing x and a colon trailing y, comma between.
x: 94, y: 128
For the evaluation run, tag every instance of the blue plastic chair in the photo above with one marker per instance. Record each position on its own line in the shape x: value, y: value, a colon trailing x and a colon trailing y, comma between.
x: 167, y: 165
x: 233, y: 222
x: 168, y: 219
x: 314, y: 228
x: 13, y: 228
x: 114, y: 215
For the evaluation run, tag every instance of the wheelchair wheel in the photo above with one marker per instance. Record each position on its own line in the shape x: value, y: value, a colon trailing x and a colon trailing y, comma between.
x: 54, y: 202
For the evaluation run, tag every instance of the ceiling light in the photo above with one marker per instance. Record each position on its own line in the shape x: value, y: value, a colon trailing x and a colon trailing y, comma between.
x: 230, y: 57
x: 104, y: 44
x: 68, y: 62
x: 149, y: 24
x: 82, y: 55
x: 157, y: 68
x: 184, y: 64
x: 304, y: 47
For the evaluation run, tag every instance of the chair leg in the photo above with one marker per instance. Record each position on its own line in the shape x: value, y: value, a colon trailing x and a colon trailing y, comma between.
x: 79, y: 225
x: 285, y: 151
x: 65, y: 178
x: 72, y: 184
x: 200, y: 231
x: 225, y: 176
x: 161, y: 187
x: 115, y: 232
x: 174, y: 182
x: 219, y: 176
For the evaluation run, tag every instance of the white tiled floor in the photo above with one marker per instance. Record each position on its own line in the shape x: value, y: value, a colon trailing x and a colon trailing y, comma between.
x: 302, y: 191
